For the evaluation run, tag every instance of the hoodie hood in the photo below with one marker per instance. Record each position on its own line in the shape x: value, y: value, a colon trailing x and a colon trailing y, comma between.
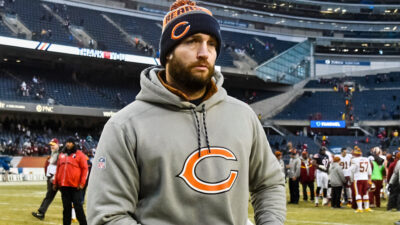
x: 153, y: 91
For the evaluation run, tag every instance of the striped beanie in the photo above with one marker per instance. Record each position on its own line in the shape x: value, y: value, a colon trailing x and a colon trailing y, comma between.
x: 184, y: 19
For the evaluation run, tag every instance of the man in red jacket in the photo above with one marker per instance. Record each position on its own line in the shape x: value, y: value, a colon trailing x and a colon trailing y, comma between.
x: 307, y: 175
x: 72, y: 170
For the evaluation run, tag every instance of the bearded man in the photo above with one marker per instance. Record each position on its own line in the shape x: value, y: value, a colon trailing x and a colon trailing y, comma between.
x: 184, y: 152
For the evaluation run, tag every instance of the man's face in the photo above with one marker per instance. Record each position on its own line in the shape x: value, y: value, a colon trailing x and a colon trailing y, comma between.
x: 191, y: 64
x: 69, y: 145
x: 54, y: 147
x: 344, y: 153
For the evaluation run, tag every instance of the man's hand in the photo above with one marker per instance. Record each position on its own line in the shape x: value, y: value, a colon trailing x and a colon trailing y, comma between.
x: 80, y: 187
x: 55, y: 187
x: 294, y: 178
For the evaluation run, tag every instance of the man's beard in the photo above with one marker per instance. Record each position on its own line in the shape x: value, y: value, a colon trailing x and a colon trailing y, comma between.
x: 184, y: 78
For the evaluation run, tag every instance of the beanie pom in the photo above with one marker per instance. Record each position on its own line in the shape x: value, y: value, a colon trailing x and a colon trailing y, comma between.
x: 179, y: 3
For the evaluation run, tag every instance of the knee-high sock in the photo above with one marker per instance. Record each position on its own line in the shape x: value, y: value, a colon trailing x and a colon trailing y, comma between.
x: 325, y: 192
x: 317, y: 194
x: 366, y: 201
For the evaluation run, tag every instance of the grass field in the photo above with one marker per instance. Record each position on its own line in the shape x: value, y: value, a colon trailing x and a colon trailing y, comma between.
x: 18, y: 201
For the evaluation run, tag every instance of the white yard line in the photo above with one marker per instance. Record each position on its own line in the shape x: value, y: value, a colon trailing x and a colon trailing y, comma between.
x: 17, y: 220
x: 317, y: 222
x: 41, y: 195
x: 21, y: 183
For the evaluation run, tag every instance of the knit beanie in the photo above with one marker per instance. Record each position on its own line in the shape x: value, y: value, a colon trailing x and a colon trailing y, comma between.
x: 184, y: 19
x: 70, y: 139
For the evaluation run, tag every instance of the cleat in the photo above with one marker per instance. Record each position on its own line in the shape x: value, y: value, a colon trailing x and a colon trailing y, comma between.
x: 38, y: 215
x: 359, y: 211
x: 368, y: 210
x: 316, y: 204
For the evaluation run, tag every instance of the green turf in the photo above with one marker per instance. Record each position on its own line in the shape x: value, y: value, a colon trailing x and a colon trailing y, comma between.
x: 18, y: 201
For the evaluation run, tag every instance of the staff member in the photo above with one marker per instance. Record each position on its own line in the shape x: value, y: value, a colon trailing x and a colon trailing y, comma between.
x: 50, y: 170
x: 71, y: 175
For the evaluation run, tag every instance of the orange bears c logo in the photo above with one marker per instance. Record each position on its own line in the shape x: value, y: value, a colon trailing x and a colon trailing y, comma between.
x: 174, y: 36
x: 188, y: 173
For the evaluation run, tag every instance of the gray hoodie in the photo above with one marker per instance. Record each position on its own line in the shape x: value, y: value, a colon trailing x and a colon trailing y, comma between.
x: 294, y: 165
x: 336, y: 175
x: 148, y: 168
x: 395, y: 179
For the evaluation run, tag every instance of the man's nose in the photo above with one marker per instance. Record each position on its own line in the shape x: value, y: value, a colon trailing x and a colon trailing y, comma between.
x: 203, y: 50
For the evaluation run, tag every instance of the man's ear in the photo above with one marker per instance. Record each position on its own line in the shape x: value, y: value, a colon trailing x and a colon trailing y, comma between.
x: 170, y: 56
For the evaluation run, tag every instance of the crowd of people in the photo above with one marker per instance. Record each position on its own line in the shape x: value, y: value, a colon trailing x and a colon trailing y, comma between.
x: 347, y: 179
x: 22, y: 137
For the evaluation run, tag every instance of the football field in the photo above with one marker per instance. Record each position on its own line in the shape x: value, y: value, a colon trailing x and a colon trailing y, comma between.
x: 18, y: 200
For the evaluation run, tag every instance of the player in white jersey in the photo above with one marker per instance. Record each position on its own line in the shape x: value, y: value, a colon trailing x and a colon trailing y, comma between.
x: 345, y: 164
x: 361, y: 171
x: 321, y: 162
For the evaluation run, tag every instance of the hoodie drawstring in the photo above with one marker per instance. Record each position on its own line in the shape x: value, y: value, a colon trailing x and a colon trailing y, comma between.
x: 205, y: 128
x: 203, y: 111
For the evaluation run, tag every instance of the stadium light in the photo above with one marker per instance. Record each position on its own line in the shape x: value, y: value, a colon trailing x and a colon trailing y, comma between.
x: 5, y: 59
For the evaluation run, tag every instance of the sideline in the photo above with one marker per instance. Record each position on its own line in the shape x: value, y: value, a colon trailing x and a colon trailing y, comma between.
x: 24, y: 221
x: 316, y: 222
x: 21, y: 183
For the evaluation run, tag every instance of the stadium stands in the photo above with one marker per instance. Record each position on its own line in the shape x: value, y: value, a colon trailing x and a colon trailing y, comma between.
x: 377, y: 99
x: 258, y: 47
x: 251, y: 96
x: 52, y: 22
x: 87, y: 91
x: 377, y: 104
x: 328, y: 105
x: 43, y: 26
x: 62, y: 88
x: 388, y: 80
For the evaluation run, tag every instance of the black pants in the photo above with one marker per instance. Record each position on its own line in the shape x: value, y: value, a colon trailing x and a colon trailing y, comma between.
x: 394, y: 199
x: 310, y: 185
x: 50, y: 194
x: 336, y: 193
x: 71, y: 195
x: 294, y: 190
